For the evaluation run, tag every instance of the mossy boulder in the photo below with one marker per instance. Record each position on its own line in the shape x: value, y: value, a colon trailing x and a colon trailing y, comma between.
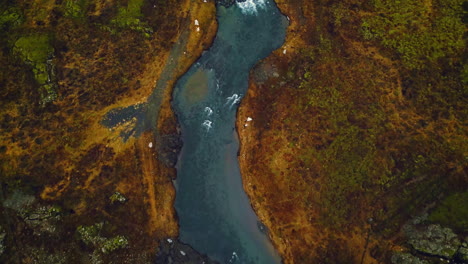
x: 433, y: 240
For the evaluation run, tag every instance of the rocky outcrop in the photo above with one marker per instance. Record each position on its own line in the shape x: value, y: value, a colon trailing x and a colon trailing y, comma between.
x: 433, y: 239
x: 463, y: 251
x: 406, y: 258
x: 169, y: 147
x: 431, y: 242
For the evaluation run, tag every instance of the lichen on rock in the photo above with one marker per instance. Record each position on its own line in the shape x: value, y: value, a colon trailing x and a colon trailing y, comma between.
x: 463, y: 251
x: 406, y: 258
x: 91, y: 236
x: 43, y: 218
x: 114, y: 243
x: 433, y: 239
x: 117, y: 197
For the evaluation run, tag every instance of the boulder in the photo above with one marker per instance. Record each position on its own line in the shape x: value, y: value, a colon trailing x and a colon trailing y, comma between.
x: 433, y: 239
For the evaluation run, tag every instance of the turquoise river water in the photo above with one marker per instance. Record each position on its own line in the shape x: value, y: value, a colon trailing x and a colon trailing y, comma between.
x: 215, y: 215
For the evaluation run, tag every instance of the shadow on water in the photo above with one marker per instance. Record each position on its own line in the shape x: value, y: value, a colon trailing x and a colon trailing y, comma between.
x: 215, y: 215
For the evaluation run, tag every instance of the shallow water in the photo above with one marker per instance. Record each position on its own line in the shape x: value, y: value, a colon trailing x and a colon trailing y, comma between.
x: 214, y: 212
x: 146, y: 114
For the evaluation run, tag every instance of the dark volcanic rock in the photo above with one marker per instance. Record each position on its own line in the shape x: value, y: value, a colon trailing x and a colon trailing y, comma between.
x: 226, y: 3
x: 172, y: 251
x: 168, y: 148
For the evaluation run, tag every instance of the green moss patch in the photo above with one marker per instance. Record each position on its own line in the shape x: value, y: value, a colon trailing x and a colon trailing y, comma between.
x: 10, y: 17
x: 452, y: 212
x: 36, y: 51
x: 420, y: 31
x: 130, y: 17
x: 75, y: 8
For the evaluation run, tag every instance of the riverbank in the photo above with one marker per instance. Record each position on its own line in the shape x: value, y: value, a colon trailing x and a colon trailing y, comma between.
x: 93, y: 192
x: 339, y: 137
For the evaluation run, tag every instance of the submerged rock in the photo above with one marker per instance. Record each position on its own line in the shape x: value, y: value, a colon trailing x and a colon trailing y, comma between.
x: 226, y: 3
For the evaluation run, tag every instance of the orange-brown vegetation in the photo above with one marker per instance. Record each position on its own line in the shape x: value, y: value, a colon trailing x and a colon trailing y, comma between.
x: 349, y: 137
x: 59, y: 152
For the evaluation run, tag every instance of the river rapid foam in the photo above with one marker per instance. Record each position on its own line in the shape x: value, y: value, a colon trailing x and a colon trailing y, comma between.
x: 251, y: 7
x: 215, y: 215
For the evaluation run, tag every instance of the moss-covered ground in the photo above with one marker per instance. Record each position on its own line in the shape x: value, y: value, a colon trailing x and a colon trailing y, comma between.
x: 91, y: 56
x: 36, y: 50
x: 360, y: 127
x: 452, y: 212
x: 363, y: 127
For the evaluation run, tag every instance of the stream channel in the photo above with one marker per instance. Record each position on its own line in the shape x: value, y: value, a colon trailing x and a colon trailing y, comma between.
x: 215, y: 214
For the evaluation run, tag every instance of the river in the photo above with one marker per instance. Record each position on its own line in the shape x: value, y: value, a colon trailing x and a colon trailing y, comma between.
x: 215, y: 215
